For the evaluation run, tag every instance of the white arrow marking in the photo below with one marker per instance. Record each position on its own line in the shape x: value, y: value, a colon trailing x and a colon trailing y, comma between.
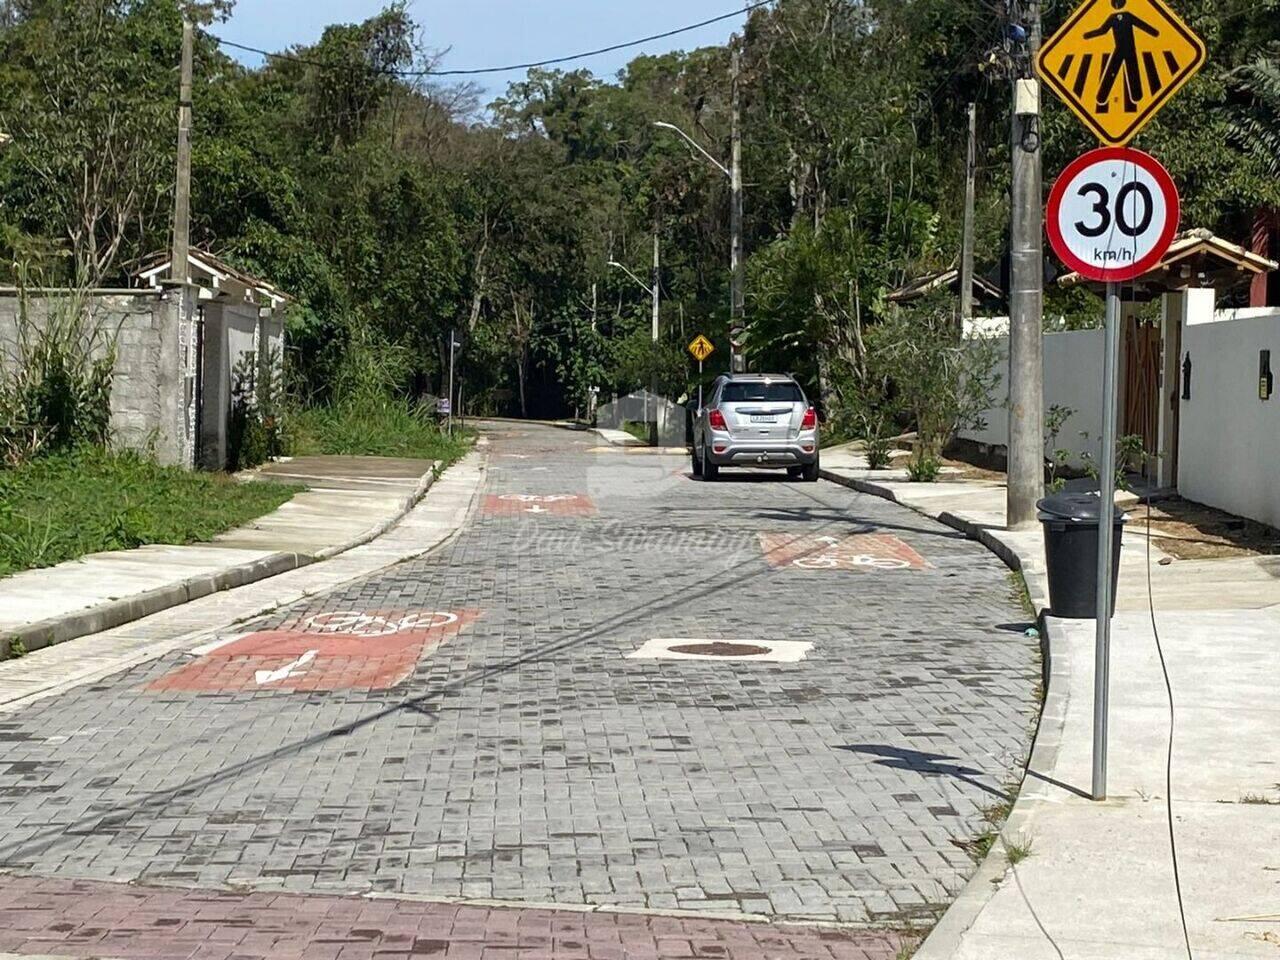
x: 535, y: 509
x: 275, y: 676
x: 828, y: 540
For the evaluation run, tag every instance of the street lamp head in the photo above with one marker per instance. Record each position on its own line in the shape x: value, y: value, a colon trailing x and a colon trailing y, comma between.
x: 615, y: 263
x: 664, y: 125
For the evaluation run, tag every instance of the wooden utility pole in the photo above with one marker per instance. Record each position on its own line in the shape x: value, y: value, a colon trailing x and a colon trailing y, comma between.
x: 179, y: 269
x: 737, y: 264
x: 1026, y: 279
x: 966, y: 249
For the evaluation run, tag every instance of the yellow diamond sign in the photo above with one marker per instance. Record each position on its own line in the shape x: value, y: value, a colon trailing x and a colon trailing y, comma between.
x: 1115, y: 63
x: 701, y: 348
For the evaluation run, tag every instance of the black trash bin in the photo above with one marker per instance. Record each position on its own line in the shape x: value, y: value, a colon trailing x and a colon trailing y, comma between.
x: 1071, y: 553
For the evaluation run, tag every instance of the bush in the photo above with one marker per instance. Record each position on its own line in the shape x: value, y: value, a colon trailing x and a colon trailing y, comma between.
x: 256, y: 431
x: 940, y: 381
x: 924, y: 469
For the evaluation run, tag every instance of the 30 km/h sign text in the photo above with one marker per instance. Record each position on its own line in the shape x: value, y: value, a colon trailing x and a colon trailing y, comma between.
x: 1112, y: 214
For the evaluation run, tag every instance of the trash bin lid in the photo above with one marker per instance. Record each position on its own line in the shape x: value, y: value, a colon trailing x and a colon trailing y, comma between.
x: 1075, y: 507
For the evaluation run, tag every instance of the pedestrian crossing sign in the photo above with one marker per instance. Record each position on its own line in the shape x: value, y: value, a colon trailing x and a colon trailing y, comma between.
x: 701, y: 348
x: 1115, y: 63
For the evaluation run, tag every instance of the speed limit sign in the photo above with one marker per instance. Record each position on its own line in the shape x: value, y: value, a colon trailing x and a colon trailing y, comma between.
x: 1113, y: 214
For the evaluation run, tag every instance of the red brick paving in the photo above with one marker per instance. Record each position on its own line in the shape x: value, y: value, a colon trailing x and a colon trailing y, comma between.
x: 783, y: 550
x: 76, y: 918
x: 376, y: 651
x: 535, y: 505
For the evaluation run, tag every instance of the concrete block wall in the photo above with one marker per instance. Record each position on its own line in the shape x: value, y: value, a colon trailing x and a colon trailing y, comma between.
x: 147, y: 403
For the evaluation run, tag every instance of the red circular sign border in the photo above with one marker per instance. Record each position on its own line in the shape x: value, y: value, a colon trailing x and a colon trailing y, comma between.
x: 1138, y: 268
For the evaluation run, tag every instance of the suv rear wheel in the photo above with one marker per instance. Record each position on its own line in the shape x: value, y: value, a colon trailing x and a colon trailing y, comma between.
x: 810, y: 471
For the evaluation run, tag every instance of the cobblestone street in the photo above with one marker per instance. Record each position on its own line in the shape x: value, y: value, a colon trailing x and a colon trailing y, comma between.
x: 494, y: 723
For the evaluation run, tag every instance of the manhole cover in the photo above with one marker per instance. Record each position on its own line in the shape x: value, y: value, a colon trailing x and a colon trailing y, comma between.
x: 698, y: 648
x: 720, y: 650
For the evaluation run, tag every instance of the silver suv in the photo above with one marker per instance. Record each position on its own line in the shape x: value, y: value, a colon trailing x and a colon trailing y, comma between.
x: 756, y: 420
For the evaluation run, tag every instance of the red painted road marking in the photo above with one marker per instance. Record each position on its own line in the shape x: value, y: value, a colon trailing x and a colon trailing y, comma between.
x: 538, y: 505
x: 78, y: 918
x: 868, y: 552
x: 345, y: 650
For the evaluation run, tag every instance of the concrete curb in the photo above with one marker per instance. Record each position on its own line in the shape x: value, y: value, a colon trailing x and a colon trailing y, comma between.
x: 944, y: 940
x: 56, y: 630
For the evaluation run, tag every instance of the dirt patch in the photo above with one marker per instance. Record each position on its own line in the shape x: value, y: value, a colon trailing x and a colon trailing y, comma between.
x: 1191, y: 531
x: 968, y: 471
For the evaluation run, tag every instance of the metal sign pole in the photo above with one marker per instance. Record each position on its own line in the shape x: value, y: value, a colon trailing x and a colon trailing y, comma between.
x: 699, y: 386
x: 452, y: 343
x: 1106, y: 522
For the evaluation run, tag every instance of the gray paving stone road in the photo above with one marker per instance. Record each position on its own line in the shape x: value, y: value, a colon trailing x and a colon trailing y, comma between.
x: 528, y: 757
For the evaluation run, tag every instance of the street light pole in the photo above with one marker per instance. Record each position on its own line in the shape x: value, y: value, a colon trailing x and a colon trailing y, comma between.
x: 737, y: 259
x: 657, y: 307
x: 737, y: 264
x: 655, y: 292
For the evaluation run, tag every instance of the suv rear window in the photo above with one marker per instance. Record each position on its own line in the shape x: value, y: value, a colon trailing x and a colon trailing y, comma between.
x: 779, y: 391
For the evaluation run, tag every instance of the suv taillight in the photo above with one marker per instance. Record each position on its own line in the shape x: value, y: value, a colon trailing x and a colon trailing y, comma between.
x: 810, y: 421
x: 716, y: 419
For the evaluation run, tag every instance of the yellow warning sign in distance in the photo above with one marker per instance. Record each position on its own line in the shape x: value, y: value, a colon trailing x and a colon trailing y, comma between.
x: 1115, y: 63
x: 701, y: 348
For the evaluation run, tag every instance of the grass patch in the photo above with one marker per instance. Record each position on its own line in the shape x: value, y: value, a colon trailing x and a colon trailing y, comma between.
x: 62, y: 507
x: 374, y: 428
x: 1260, y: 799
x: 1017, y: 850
x: 1021, y: 593
x: 638, y: 430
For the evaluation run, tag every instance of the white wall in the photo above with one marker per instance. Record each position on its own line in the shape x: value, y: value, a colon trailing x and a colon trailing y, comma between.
x: 1229, y: 439
x: 1072, y: 378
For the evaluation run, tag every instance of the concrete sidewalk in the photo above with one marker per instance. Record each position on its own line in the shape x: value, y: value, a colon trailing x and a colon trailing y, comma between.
x: 435, y: 518
x: 348, y: 501
x: 1099, y: 880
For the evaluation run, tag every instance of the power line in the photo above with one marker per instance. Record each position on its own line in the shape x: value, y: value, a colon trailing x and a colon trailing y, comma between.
x: 478, y: 71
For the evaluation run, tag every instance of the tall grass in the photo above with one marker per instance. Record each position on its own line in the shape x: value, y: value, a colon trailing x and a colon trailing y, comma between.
x: 64, y: 505
x: 366, y: 415
x: 374, y: 427
x: 55, y: 378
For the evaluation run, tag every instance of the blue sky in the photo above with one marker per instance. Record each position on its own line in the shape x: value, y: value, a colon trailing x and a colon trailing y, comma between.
x: 485, y: 33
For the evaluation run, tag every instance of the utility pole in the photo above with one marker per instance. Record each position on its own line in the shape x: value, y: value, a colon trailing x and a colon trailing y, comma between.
x: 657, y: 294
x: 966, y: 249
x: 179, y: 269
x: 1026, y: 277
x: 737, y: 264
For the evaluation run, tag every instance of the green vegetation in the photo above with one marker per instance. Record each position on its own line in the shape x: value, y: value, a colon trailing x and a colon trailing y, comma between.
x: 399, y: 208
x: 66, y: 505
x: 1021, y: 594
x: 375, y: 428
x: 637, y: 429
x: 1017, y: 850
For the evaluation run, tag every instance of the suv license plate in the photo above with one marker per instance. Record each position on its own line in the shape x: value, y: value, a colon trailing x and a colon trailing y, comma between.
x: 760, y: 419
